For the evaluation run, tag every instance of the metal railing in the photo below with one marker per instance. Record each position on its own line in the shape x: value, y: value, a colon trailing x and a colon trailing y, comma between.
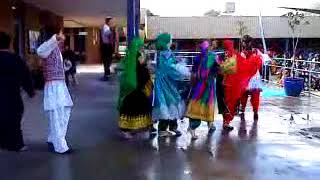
x: 190, y: 55
x: 310, y: 70
x: 281, y: 67
x: 187, y: 56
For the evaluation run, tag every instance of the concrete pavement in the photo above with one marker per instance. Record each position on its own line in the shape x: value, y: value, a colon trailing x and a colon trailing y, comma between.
x: 280, y: 146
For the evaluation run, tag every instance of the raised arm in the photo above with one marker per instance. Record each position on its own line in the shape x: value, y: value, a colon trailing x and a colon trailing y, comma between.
x: 176, y: 70
x: 47, y: 47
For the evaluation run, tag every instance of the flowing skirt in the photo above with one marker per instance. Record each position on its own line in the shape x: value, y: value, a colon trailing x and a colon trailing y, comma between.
x: 201, y: 105
x: 135, y: 113
x: 168, y: 103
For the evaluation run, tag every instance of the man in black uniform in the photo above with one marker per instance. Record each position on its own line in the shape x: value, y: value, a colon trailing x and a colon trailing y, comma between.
x: 14, y: 74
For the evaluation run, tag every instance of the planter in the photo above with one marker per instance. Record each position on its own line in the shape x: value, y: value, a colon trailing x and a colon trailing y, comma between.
x: 293, y: 86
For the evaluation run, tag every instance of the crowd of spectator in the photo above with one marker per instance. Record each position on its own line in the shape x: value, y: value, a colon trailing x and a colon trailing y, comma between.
x: 306, y: 65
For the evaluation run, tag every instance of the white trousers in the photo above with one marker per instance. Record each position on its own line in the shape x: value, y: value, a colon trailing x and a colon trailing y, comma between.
x: 58, y: 120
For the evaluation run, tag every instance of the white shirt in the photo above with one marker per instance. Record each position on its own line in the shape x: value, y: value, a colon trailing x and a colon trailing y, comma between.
x: 265, y: 58
x: 56, y: 93
x: 106, y: 34
x: 45, y: 49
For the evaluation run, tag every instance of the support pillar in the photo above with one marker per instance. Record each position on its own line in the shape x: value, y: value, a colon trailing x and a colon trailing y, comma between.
x: 287, y: 42
x: 137, y: 18
x: 133, y: 19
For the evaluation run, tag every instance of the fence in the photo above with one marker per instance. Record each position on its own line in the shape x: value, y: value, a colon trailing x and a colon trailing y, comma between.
x: 282, y: 67
x: 186, y: 56
x: 272, y: 73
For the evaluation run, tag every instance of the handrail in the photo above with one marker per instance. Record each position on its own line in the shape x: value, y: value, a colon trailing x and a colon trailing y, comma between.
x: 297, y: 60
x: 311, y: 76
x: 308, y: 71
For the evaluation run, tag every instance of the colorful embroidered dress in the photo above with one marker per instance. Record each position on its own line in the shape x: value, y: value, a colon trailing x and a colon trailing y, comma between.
x: 135, y: 88
x: 201, y: 105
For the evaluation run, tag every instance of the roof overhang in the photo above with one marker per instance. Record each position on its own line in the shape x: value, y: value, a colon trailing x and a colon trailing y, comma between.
x: 315, y: 11
x: 83, y: 12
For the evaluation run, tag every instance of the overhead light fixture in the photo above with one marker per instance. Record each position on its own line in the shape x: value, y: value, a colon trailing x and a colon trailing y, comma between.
x: 83, y: 33
x: 14, y: 4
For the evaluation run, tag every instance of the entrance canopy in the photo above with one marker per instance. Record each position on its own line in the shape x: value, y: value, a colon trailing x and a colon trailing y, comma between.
x: 84, y: 12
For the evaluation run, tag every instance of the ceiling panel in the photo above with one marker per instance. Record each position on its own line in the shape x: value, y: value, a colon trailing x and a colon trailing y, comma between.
x: 86, y: 12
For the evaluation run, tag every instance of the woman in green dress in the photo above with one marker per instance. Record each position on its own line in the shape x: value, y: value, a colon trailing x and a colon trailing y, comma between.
x: 135, y: 106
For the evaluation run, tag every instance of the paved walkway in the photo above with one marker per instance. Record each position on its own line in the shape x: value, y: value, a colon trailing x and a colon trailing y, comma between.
x: 279, y: 146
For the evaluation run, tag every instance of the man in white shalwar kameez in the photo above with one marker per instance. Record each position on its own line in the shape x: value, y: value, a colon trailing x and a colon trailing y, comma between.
x: 57, y: 100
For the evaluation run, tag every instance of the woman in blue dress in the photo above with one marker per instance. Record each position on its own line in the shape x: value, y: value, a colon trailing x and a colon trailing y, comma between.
x: 168, y: 104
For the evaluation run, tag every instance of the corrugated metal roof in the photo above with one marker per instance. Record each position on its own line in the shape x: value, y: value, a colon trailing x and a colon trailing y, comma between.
x: 228, y: 27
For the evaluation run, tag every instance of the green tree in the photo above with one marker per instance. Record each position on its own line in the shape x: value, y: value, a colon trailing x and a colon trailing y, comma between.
x: 296, y: 21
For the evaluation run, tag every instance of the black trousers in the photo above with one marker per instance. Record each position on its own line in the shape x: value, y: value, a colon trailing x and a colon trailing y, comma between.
x: 10, y: 132
x: 107, y: 52
x: 67, y: 74
x: 194, y: 123
x: 265, y: 71
x: 164, y: 124
x: 222, y: 107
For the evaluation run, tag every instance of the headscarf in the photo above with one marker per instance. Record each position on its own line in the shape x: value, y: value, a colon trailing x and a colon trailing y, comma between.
x: 204, y: 48
x: 204, y: 45
x: 229, y: 66
x: 128, y: 80
x: 162, y: 41
x: 228, y: 45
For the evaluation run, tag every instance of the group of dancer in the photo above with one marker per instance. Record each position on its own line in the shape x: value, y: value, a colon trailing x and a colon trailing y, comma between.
x: 227, y: 78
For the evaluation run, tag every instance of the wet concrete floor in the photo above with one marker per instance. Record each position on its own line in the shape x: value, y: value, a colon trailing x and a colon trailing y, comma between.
x: 273, y: 148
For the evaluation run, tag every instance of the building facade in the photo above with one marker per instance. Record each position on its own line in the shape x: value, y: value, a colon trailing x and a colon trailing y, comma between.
x: 221, y: 27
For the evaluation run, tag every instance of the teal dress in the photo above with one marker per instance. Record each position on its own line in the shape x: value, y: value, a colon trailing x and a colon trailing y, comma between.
x: 168, y: 104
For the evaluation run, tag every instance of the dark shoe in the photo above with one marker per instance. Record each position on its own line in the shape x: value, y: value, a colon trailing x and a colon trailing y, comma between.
x: 242, y: 116
x: 228, y: 128
x: 212, y: 130
x: 164, y: 134
x: 194, y: 137
x: 255, y: 117
x: 193, y: 134
x: 70, y: 151
x: 50, y: 147
x: 15, y: 149
x: 153, y: 131
x: 177, y: 133
x: 104, y: 78
x: 23, y: 149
